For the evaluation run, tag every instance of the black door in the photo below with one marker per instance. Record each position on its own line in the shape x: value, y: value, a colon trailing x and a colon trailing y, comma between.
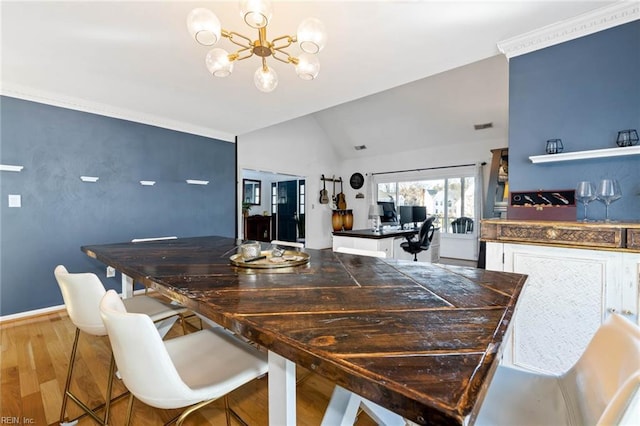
x: 287, y: 210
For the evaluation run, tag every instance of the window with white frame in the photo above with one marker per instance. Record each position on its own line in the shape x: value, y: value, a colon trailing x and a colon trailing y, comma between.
x: 448, y: 195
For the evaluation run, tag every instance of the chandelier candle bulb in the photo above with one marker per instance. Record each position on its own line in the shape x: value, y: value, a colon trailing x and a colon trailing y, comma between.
x: 204, y: 27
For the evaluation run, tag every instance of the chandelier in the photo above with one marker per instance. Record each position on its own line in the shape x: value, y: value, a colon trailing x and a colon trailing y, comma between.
x: 204, y: 27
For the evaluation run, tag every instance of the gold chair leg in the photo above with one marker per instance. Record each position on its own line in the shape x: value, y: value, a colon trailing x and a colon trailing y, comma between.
x: 107, y: 405
x: 67, y: 384
x: 86, y: 409
x: 227, y: 412
x: 191, y: 409
x: 127, y: 421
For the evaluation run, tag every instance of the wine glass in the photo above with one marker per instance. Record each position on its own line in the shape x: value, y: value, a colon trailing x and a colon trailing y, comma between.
x: 585, y: 193
x: 608, y: 192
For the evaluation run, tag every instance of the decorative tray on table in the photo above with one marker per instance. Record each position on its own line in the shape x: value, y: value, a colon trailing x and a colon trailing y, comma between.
x: 267, y: 261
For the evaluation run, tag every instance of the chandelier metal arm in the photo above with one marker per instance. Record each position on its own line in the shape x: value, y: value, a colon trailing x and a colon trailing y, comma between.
x: 289, y: 59
x: 237, y: 56
x: 231, y: 34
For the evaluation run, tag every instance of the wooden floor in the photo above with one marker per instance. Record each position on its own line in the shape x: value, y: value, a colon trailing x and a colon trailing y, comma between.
x: 35, y: 354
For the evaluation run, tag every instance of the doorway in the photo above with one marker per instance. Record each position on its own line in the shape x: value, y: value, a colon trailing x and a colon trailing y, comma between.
x: 288, y: 209
x: 282, y: 202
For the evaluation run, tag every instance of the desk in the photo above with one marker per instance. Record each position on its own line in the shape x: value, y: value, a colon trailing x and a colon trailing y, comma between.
x: 422, y: 340
x: 387, y: 241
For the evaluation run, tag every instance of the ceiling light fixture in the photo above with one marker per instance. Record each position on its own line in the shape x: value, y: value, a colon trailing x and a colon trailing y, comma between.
x: 205, y: 28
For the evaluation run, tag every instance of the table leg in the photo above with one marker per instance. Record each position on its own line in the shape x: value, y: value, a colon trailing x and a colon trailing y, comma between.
x: 127, y: 286
x: 282, y: 391
x: 342, y: 409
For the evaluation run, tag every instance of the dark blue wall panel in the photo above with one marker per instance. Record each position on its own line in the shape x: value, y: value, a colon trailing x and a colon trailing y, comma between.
x: 60, y: 213
x: 583, y: 91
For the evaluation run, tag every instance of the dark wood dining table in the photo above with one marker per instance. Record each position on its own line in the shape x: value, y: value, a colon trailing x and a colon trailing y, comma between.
x: 422, y: 340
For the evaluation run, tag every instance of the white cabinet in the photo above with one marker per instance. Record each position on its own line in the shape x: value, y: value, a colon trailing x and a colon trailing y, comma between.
x: 568, y: 294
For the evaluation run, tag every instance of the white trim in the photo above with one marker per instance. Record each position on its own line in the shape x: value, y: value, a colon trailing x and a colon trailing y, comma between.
x: 27, y: 314
x: 43, y: 311
x: 588, y: 23
x: 77, y: 104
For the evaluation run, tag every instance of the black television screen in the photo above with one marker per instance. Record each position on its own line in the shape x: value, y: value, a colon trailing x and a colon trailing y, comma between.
x: 389, y: 212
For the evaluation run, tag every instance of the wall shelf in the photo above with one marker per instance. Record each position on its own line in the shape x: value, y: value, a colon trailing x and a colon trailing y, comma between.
x: 585, y: 155
x: 10, y: 168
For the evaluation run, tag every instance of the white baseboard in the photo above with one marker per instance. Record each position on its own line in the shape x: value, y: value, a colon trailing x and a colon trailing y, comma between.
x: 43, y: 311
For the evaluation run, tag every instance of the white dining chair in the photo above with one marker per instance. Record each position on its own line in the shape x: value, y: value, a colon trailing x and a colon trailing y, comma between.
x: 288, y: 244
x: 82, y: 293
x: 597, y: 390
x: 602, y: 388
x: 191, y: 371
x: 361, y: 252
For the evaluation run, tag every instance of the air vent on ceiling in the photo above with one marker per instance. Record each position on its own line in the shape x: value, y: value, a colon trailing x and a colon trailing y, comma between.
x: 360, y: 147
x: 483, y: 126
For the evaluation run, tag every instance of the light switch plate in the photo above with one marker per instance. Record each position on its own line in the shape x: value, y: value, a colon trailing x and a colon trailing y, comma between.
x: 15, y: 200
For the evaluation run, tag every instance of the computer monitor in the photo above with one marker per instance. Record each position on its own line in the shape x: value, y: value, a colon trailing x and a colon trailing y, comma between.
x: 412, y: 214
x: 389, y: 216
x: 419, y: 213
x: 406, y: 214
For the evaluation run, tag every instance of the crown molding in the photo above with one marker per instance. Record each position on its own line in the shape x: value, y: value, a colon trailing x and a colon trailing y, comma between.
x: 62, y: 101
x: 570, y: 29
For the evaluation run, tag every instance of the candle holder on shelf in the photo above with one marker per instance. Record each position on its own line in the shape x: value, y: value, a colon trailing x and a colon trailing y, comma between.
x: 627, y: 137
x: 554, y: 146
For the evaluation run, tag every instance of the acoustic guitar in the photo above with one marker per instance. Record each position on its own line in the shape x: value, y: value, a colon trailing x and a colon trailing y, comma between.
x: 324, y: 195
x: 341, y: 199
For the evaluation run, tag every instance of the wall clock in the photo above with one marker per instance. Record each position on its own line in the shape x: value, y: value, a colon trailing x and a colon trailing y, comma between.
x: 356, y: 181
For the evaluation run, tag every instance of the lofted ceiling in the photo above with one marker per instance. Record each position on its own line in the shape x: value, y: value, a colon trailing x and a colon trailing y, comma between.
x: 430, y: 67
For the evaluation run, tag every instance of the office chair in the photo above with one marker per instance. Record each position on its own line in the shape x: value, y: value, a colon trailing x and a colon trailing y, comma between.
x: 190, y: 371
x: 462, y: 225
x: 596, y: 390
x: 422, y: 243
x: 82, y: 293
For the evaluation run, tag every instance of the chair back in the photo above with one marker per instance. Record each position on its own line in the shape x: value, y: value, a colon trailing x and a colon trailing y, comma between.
x: 462, y: 225
x: 82, y: 293
x: 141, y: 356
x: 425, y: 235
x: 361, y: 252
x: 607, y: 376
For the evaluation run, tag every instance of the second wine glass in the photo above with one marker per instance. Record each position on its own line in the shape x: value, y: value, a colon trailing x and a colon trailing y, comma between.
x: 608, y: 192
x: 585, y: 193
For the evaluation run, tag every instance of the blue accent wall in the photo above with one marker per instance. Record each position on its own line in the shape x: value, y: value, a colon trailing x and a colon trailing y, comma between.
x: 583, y: 91
x: 60, y: 213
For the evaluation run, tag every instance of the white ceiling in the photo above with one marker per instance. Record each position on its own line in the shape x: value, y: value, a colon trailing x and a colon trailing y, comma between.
x: 135, y: 60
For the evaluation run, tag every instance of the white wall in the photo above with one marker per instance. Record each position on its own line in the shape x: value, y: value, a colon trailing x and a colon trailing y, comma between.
x: 298, y: 147
x: 282, y: 149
